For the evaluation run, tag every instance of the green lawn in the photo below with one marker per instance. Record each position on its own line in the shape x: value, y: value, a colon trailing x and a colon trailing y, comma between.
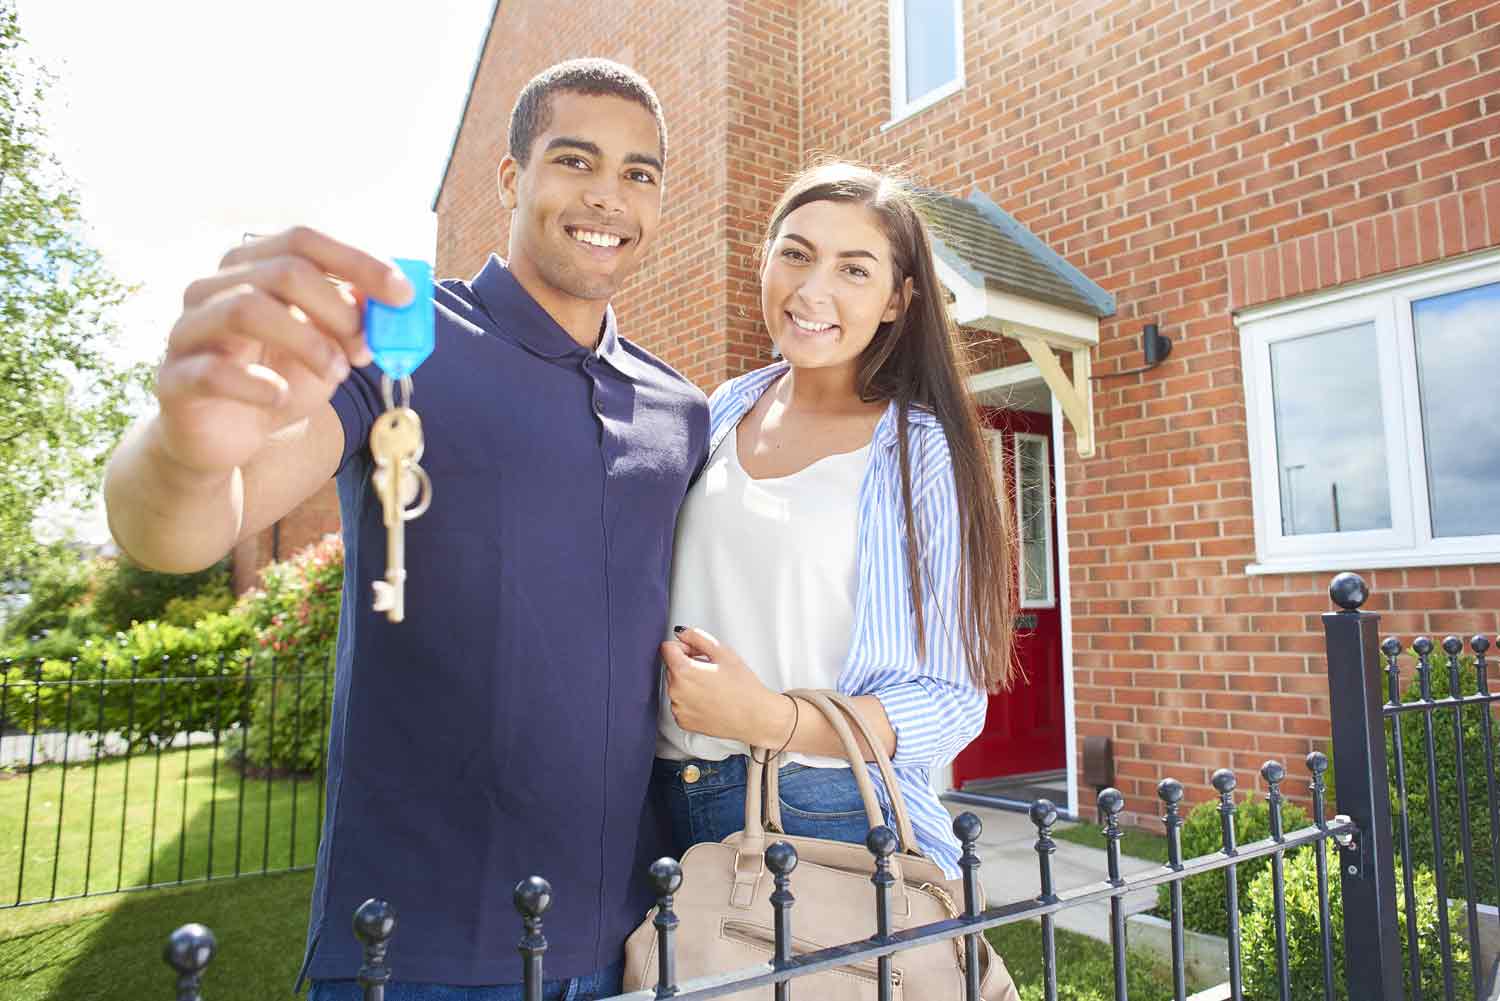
x: 108, y: 948
x: 1085, y: 967
x: 165, y: 820
x: 1141, y: 844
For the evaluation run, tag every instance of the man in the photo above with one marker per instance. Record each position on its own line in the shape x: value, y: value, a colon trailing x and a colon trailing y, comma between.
x: 506, y: 727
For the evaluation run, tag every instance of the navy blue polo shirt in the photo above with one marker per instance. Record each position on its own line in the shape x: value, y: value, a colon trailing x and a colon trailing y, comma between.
x: 507, y: 727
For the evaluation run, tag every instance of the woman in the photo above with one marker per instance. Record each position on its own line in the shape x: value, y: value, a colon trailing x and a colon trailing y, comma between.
x: 844, y: 534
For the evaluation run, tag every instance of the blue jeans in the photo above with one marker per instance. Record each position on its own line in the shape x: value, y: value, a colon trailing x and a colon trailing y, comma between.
x: 599, y: 984
x: 815, y: 802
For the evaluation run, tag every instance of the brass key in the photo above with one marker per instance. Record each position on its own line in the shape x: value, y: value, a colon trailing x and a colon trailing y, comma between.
x: 399, y: 481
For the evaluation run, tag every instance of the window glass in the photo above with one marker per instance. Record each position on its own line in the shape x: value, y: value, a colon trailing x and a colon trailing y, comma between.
x: 1330, y: 438
x: 931, y: 61
x: 1460, y: 420
x: 1035, y: 514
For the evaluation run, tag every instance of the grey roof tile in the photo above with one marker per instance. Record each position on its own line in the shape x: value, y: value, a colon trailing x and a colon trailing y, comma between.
x: 980, y: 239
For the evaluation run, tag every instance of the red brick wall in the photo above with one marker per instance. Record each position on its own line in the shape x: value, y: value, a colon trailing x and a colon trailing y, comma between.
x: 1164, y: 148
x: 1191, y: 156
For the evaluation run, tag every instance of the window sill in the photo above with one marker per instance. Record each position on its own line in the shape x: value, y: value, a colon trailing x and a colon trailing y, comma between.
x: 1339, y: 562
x: 922, y: 103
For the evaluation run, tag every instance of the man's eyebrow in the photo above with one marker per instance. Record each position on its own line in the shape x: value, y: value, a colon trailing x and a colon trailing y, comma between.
x: 646, y: 159
x: 592, y: 149
x: 843, y: 253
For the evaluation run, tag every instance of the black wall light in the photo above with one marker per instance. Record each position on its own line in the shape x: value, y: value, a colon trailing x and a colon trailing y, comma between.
x: 1154, y: 345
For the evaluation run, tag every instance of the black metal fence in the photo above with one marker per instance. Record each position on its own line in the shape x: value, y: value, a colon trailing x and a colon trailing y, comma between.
x: 1367, y: 706
x: 140, y: 776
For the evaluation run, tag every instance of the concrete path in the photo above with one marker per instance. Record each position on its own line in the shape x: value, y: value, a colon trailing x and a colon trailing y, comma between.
x: 1007, y: 850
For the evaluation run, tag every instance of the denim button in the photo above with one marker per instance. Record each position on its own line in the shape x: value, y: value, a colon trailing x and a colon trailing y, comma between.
x: 691, y: 774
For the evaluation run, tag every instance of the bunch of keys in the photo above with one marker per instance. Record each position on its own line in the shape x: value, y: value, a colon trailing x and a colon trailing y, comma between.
x: 400, y: 339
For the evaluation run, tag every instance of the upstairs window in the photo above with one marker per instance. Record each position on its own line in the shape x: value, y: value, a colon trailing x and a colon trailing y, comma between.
x: 1373, y: 436
x: 927, y: 53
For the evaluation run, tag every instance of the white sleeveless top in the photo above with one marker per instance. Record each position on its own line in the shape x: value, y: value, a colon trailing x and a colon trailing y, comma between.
x: 768, y: 567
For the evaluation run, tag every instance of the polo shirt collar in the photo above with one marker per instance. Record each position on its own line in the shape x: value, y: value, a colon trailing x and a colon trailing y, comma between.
x: 533, y: 327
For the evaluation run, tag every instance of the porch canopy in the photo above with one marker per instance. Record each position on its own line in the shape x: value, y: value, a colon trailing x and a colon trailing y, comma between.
x: 1005, y: 280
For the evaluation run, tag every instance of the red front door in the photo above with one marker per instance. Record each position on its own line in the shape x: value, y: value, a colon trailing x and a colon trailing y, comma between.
x: 1024, y: 730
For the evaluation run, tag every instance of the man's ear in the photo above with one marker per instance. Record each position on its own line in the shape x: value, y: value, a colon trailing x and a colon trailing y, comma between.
x: 506, y: 177
x: 900, y: 299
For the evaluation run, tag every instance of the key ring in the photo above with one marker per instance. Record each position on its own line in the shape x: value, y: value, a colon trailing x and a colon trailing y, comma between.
x: 388, y: 391
x: 424, y: 493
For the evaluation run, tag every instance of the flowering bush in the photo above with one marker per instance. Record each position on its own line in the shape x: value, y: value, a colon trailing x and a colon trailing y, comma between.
x: 295, y: 618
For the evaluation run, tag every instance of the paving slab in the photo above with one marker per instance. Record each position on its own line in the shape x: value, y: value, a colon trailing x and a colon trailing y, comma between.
x: 1009, y: 870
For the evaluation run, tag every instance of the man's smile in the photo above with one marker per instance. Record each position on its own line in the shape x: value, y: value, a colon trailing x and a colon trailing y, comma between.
x: 596, y: 237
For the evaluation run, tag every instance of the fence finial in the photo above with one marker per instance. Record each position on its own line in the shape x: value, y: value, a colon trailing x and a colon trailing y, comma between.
x: 374, y: 924
x: 666, y: 880
x: 189, y: 950
x: 532, y: 897
x: 781, y: 859
x: 1349, y: 591
x: 1317, y: 763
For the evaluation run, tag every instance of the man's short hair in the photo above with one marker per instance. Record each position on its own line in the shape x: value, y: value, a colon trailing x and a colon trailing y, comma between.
x: 593, y: 77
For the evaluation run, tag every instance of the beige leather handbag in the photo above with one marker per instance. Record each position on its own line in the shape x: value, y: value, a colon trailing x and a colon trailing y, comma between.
x: 725, y: 914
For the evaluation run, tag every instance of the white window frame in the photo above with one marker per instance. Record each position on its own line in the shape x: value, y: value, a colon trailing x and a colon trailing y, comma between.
x: 1386, y: 303
x: 901, y: 108
x: 1050, y: 599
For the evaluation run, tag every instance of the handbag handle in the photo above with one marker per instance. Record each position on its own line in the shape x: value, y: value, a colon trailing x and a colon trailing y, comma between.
x: 756, y: 771
x: 899, y: 815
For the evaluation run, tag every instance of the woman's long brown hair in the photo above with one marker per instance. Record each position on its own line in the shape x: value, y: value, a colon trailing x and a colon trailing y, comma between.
x: 913, y: 361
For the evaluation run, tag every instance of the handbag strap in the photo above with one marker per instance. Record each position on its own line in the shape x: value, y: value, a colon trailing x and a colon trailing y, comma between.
x: 899, y: 814
x: 749, y: 861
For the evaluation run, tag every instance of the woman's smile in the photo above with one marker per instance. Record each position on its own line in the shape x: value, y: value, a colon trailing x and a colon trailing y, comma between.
x: 811, y: 328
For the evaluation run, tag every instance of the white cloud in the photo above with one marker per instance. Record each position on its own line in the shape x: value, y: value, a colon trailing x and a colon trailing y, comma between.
x: 186, y: 124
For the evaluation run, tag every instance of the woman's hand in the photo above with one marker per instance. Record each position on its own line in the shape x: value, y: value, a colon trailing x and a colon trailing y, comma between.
x: 713, y: 692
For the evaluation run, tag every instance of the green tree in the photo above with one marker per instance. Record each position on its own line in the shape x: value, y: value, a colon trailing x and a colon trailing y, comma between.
x: 65, y: 398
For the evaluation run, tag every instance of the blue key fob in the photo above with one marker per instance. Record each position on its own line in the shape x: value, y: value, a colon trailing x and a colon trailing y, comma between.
x: 402, y: 338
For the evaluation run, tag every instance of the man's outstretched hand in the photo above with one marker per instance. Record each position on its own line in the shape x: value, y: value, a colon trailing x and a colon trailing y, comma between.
x: 262, y: 343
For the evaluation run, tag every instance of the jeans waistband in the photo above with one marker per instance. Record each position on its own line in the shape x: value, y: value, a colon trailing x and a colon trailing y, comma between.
x: 731, y: 771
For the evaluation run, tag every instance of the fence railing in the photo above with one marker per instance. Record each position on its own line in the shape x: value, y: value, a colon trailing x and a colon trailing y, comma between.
x: 139, y: 776
x: 1362, y: 834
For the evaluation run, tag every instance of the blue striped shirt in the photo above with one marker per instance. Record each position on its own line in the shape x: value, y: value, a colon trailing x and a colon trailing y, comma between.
x: 933, y: 705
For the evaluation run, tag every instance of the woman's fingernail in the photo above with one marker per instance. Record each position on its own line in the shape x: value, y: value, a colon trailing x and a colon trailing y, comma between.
x: 677, y: 629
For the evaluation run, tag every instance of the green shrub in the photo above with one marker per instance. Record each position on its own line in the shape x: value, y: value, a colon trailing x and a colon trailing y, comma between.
x: 1418, y: 799
x: 1203, y: 897
x: 55, y: 644
x: 1304, y: 934
x: 189, y: 611
x: 297, y: 617
x: 39, y: 696
x: 59, y: 584
x: 128, y: 593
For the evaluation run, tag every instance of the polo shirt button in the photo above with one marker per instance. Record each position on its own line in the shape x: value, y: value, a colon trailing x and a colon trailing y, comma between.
x: 691, y: 774
x: 598, y: 406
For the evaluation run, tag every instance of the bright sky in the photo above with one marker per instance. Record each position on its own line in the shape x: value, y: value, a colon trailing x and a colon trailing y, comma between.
x: 184, y: 124
x: 187, y: 123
